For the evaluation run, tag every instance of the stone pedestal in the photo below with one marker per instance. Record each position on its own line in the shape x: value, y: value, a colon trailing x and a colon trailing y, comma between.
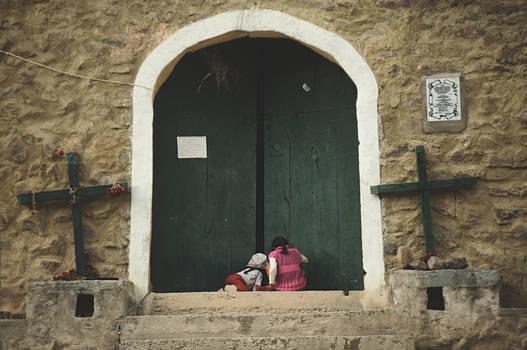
x: 462, y: 291
x: 59, y: 299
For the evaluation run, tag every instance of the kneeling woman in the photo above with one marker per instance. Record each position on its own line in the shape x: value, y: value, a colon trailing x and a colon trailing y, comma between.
x: 285, y: 272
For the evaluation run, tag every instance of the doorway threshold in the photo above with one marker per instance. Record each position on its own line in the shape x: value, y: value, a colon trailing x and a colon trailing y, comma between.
x: 251, y: 302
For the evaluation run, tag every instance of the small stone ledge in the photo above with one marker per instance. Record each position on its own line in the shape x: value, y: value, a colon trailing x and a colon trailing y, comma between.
x: 455, y: 291
x: 58, y: 299
x: 445, y: 278
x: 515, y: 312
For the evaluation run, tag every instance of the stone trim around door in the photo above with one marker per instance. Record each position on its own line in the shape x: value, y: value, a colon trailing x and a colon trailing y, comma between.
x: 228, y: 26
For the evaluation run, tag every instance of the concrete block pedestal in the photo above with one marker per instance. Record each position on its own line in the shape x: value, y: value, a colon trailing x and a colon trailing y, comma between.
x: 463, y: 291
x: 60, y: 299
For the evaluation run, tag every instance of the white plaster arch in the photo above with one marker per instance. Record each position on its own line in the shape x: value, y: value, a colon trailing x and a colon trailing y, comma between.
x: 224, y: 27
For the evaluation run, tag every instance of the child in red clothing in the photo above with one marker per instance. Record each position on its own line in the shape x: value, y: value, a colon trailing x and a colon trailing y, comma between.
x: 251, y: 277
x: 285, y: 272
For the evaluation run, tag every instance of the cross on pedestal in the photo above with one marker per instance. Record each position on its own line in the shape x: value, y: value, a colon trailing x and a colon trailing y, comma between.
x: 423, y: 186
x: 74, y: 193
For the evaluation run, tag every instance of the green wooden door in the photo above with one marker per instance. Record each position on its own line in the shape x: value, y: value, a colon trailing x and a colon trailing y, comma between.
x: 311, y: 164
x: 294, y: 173
x: 203, y: 215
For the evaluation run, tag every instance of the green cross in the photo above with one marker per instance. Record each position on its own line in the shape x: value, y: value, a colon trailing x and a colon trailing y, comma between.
x: 423, y: 186
x: 74, y: 193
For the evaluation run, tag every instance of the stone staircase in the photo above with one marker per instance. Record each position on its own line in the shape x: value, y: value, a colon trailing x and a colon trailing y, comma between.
x: 441, y: 309
x: 260, y: 320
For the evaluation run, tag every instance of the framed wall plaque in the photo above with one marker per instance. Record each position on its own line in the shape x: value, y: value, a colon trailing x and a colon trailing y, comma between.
x: 445, y: 110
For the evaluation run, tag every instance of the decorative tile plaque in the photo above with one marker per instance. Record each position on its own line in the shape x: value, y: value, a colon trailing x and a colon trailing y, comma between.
x: 443, y: 99
x: 444, y: 104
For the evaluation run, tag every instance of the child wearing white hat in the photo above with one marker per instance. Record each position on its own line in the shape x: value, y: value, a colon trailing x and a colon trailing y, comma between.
x: 250, y: 277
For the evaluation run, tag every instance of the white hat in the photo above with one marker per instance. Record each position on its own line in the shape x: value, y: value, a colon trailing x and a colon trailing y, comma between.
x: 258, y: 261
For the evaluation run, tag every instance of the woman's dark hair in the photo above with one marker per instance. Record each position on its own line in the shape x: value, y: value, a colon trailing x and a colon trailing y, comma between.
x: 280, y: 242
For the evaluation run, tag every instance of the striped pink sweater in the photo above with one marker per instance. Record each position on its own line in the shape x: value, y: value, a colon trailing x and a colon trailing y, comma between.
x: 289, y: 275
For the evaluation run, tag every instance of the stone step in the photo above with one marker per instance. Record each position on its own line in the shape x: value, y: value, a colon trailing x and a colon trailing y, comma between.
x: 186, y: 303
x: 373, y: 342
x: 260, y: 324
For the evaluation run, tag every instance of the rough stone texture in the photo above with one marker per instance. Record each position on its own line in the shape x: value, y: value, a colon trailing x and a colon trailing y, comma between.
x: 434, y: 263
x: 377, y: 342
x: 51, y: 321
x: 417, y: 265
x: 442, y: 278
x: 402, y: 41
x: 471, y: 319
x: 192, y: 303
x: 58, y: 299
x: 455, y: 263
x: 404, y: 257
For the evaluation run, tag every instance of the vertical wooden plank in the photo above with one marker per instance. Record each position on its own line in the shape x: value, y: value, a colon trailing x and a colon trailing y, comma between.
x: 426, y: 215
x: 243, y: 186
x: 179, y: 184
x: 243, y: 156
x: 276, y: 141
x: 325, y: 186
x: 301, y: 211
x: 72, y: 160
x: 343, y: 99
x: 349, y: 202
x: 325, y: 233
x: 78, y: 236
x: 276, y: 175
x: 288, y: 76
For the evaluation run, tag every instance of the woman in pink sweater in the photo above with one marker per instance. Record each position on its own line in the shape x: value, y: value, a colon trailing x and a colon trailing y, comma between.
x: 285, y: 272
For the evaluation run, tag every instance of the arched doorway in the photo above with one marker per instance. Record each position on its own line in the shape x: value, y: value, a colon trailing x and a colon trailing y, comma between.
x: 254, y: 23
x: 279, y: 122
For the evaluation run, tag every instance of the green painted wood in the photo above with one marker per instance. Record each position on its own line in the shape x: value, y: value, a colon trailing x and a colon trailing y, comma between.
x: 418, y: 186
x: 426, y: 214
x: 203, y: 214
x: 203, y: 209
x: 325, y: 200
x: 307, y: 182
x: 101, y: 190
x: 178, y: 204
x: 72, y: 161
x: 349, y: 212
x: 423, y: 186
x: 27, y: 198
x: 80, y: 261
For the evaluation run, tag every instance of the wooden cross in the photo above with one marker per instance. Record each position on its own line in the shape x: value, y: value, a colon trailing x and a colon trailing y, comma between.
x: 74, y: 193
x: 423, y: 186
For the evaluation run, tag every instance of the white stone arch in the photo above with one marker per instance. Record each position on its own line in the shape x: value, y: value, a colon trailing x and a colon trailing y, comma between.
x: 224, y: 27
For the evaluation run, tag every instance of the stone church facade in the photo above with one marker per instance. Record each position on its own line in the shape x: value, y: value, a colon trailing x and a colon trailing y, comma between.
x: 120, y: 55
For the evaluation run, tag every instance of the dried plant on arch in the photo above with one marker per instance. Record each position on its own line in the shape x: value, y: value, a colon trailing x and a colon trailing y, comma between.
x: 226, y: 76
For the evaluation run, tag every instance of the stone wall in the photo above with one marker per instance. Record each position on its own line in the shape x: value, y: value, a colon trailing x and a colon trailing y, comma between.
x: 42, y: 111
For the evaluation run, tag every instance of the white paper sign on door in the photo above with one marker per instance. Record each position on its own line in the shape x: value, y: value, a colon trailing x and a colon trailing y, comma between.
x: 192, y: 146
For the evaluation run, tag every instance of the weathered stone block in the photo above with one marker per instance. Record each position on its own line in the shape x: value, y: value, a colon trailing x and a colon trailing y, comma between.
x: 463, y: 290
x: 58, y: 299
x: 445, y: 278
